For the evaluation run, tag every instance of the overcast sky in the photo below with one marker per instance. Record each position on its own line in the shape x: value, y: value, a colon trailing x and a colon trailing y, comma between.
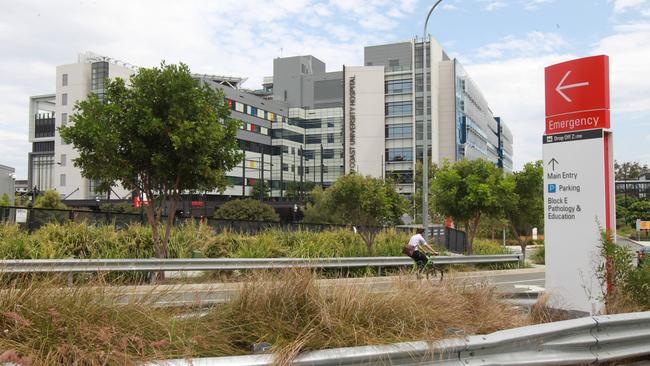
x: 503, y: 44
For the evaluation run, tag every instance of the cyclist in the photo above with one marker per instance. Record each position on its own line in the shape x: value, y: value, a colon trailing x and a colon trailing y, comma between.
x: 414, y: 250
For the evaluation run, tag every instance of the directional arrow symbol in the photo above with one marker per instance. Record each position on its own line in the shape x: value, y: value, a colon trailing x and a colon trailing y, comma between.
x: 553, y: 162
x: 561, y: 87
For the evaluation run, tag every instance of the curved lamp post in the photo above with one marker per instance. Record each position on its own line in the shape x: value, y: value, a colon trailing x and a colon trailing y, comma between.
x: 425, y: 148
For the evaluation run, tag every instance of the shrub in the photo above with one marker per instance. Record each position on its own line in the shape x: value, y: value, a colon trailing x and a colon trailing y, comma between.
x: 246, y: 210
x: 539, y: 255
x: 50, y: 199
x: 489, y: 247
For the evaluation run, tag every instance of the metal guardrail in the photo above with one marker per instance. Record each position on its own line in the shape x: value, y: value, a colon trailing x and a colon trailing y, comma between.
x: 214, y: 264
x: 579, y: 341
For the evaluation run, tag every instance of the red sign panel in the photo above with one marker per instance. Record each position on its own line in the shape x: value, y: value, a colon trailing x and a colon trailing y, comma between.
x: 577, y: 85
x: 577, y: 121
x: 197, y: 203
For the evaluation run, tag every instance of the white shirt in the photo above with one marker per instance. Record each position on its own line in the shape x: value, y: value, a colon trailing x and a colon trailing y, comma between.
x: 416, y: 240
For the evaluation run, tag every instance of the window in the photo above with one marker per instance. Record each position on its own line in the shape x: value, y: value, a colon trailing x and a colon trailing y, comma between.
x: 401, y: 176
x: 399, y: 86
x: 399, y: 154
x: 62, y: 180
x: 64, y: 99
x: 64, y: 159
x: 330, y: 138
x: 400, y: 131
x: 328, y: 153
x: 64, y: 80
x: 64, y: 119
x: 396, y: 109
x: 264, y: 130
x: 285, y: 167
x: 313, y: 139
x: 240, y: 107
x: 261, y: 113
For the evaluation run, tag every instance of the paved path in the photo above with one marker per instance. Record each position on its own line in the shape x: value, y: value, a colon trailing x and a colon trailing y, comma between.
x: 507, y: 281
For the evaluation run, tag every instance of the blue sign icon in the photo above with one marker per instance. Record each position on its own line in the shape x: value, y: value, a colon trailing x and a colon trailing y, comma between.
x: 551, y: 188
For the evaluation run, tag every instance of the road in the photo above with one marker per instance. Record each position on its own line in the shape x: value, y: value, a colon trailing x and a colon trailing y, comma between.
x: 513, y: 282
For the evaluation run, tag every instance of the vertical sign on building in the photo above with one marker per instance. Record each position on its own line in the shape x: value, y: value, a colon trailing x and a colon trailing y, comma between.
x: 578, y: 179
x: 353, y: 125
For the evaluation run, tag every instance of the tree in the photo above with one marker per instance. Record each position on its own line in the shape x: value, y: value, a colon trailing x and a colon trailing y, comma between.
x: 247, y: 209
x: 365, y: 202
x: 4, y: 201
x: 467, y: 190
x: 629, y: 170
x: 639, y: 210
x: 256, y: 191
x: 50, y: 199
x: 522, y: 200
x: 162, y: 134
x: 316, y: 211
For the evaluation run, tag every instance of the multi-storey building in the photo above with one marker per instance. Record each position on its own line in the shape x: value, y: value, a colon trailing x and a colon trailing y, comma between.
x: 307, y: 125
x: 315, y: 101
x: 384, y: 101
x: 50, y: 162
x: 40, y: 160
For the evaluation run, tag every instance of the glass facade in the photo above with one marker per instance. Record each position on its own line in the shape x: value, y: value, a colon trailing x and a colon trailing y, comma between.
x: 323, y: 149
x: 98, y: 76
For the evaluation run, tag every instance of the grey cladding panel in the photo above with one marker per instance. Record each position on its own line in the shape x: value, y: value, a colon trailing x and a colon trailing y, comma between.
x: 390, y: 54
x: 328, y: 89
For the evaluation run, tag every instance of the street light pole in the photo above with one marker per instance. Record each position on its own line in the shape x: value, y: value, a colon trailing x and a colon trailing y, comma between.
x: 425, y: 148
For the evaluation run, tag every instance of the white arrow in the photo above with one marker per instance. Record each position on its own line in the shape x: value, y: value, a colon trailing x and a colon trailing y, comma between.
x: 531, y: 288
x: 561, y: 87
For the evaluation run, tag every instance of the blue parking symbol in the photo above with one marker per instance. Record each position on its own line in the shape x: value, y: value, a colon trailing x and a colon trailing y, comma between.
x: 551, y: 188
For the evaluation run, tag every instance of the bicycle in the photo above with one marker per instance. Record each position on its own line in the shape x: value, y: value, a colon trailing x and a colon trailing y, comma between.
x: 430, y: 268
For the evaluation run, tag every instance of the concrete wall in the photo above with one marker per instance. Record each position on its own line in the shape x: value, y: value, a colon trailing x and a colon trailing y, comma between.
x: 382, y: 54
x: 7, y: 182
x: 369, y: 133
x: 67, y: 178
x: 447, y: 113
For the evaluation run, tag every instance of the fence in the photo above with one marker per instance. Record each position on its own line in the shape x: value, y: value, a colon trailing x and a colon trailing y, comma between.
x: 224, y: 264
x: 451, y: 239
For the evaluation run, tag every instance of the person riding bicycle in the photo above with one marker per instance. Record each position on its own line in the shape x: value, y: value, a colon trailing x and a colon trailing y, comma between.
x: 413, y: 249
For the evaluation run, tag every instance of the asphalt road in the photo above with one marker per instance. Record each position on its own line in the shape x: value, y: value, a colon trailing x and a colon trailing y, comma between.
x: 521, y: 281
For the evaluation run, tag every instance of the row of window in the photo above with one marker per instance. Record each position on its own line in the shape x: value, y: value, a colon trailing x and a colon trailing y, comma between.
x: 400, y: 131
x: 399, y: 154
x: 397, y: 109
x: 254, y: 111
x: 255, y: 128
x: 399, y: 86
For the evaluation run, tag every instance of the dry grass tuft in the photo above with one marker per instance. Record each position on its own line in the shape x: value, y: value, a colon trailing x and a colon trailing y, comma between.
x: 543, y: 311
x: 289, y: 311
x: 40, y: 324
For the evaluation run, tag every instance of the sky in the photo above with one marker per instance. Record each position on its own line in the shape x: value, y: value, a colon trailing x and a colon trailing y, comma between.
x: 503, y: 44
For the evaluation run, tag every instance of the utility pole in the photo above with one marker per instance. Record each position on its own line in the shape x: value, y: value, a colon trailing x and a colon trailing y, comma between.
x: 425, y: 153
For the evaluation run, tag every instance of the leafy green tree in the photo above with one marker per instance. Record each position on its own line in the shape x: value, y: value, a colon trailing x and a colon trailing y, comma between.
x: 522, y: 200
x: 467, y: 191
x: 247, y: 209
x: 162, y: 134
x: 317, y: 213
x: 639, y: 210
x: 50, y: 199
x: 629, y: 170
x: 255, y: 192
x: 4, y: 201
x: 365, y: 202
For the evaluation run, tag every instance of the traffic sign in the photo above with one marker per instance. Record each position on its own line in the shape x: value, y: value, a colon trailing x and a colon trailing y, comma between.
x: 576, y: 86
